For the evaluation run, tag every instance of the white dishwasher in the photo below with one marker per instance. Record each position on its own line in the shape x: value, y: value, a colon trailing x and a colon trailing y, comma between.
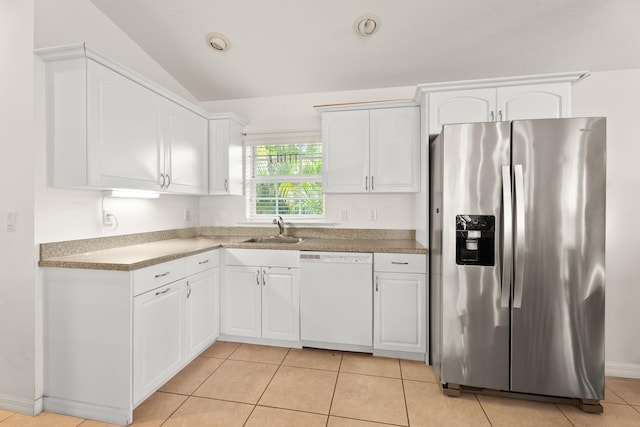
x: 336, y: 300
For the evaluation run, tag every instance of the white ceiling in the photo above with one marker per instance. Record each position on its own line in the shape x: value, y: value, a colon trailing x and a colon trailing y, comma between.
x: 281, y: 47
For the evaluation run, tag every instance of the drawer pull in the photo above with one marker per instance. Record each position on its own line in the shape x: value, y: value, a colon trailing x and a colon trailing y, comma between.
x: 166, y: 273
x: 399, y: 263
x: 203, y: 262
x: 163, y: 292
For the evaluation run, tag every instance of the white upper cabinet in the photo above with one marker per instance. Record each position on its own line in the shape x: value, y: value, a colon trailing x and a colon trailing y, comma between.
x: 109, y: 128
x: 185, y: 146
x: 543, y: 101
x: 226, y: 171
x: 394, y: 162
x: 124, y: 133
x: 530, y: 97
x: 345, y: 151
x: 371, y: 150
x: 461, y: 106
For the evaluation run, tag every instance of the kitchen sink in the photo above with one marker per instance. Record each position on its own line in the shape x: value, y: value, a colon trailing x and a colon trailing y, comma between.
x: 274, y: 239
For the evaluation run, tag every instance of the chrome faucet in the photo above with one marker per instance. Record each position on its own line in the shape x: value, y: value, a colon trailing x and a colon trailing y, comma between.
x: 280, y: 223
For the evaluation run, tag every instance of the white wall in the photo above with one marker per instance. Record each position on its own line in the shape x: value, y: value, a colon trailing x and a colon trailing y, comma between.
x: 17, y: 255
x: 616, y: 95
x: 63, y: 214
x: 294, y: 112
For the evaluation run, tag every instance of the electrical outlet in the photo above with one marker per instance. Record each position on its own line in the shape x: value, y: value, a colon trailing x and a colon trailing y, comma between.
x: 186, y: 215
x: 343, y: 215
x: 107, y: 218
x: 373, y: 214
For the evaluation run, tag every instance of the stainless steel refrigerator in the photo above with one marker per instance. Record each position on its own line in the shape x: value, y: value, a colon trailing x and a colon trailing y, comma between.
x: 517, y: 257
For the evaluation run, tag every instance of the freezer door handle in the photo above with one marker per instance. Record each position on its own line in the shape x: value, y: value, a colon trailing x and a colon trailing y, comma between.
x: 520, y: 236
x: 507, y: 237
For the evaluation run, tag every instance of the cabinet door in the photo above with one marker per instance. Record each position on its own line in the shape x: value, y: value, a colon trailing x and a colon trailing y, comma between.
x: 281, y: 303
x: 202, y: 314
x: 158, y: 338
x: 394, y: 150
x: 124, y: 131
x: 241, y: 301
x: 226, y: 170
x: 186, y: 148
x: 400, y: 312
x: 345, y: 151
x: 461, y: 106
x: 544, y: 101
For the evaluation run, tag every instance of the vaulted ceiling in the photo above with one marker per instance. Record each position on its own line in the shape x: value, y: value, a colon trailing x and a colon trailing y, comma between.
x: 280, y: 47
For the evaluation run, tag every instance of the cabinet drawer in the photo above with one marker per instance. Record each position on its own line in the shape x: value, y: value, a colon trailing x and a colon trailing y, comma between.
x: 154, y: 276
x: 201, y: 262
x: 402, y: 263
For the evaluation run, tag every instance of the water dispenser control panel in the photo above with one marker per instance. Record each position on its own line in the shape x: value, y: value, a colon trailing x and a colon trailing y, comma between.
x: 475, y: 238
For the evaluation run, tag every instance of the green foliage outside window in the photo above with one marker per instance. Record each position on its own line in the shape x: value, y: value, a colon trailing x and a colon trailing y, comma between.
x: 286, y: 180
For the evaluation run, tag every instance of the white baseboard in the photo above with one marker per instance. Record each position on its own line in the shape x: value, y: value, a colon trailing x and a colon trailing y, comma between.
x: 20, y: 405
x: 623, y: 370
x: 122, y: 416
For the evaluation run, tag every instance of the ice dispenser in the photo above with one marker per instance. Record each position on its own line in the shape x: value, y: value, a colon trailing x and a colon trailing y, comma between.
x: 475, y: 239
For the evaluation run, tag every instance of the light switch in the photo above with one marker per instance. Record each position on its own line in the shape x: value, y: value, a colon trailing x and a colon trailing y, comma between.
x: 11, y: 220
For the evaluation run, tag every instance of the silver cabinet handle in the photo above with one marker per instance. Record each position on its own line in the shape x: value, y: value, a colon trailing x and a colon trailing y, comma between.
x: 499, y: 115
x: 258, y: 277
x: 493, y: 117
x: 168, y: 182
x: 166, y: 273
x: 520, y: 236
x: 264, y: 283
x: 163, y: 292
x: 226, y: 185
x: 366, y: 183
x: 188, y: 290
x: 203, y: 262
x: 377, y: 280
x: 507, y: 237
x: 163, y: 180
x: 399, y: 263
x: 372, y: 183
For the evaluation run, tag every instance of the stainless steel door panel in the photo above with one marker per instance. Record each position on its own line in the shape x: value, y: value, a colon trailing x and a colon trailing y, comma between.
x: 475, y: 329
x: 558, y: 333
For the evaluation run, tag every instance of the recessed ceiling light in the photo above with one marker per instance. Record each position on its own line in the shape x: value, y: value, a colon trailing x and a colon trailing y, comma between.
x: 217, y: 41
x: 367, y: 24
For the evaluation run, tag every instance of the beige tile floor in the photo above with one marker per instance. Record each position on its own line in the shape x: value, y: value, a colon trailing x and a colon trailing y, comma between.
x: 256, y: 386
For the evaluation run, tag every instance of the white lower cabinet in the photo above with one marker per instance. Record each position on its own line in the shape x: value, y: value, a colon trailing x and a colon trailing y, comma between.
x: 112, y: 338
x: 158, y: 337
x: 261, y: 302
x: 400, y: 305
x: 202, y: 315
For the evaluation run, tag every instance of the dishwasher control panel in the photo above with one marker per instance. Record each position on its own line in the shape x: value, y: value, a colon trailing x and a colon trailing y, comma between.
x: 337, y: 257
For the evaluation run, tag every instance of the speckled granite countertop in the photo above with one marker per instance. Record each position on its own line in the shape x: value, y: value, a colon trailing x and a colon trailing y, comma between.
x: 132, y: 252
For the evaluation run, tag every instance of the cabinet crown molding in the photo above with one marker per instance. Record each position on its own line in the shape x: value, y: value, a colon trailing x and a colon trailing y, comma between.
x: 571, y: 77
x: 82, y: 50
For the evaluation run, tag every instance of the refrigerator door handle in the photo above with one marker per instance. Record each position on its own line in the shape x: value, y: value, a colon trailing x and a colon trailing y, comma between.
x: 507, y: 237
x: 520, y: 236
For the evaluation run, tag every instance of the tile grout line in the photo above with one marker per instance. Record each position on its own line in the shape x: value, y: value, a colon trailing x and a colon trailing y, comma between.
x: 267, y: 386
x: 565, y: 415
x: 191, y: 394
x: 404, y: 394
x: 482, y: 407
x: 335, y: 385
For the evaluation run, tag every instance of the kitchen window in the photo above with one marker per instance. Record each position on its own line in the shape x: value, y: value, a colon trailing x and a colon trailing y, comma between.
x: 284, y: 175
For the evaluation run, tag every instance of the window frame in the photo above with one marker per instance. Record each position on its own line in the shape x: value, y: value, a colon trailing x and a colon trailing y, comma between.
x: 280, y: 138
